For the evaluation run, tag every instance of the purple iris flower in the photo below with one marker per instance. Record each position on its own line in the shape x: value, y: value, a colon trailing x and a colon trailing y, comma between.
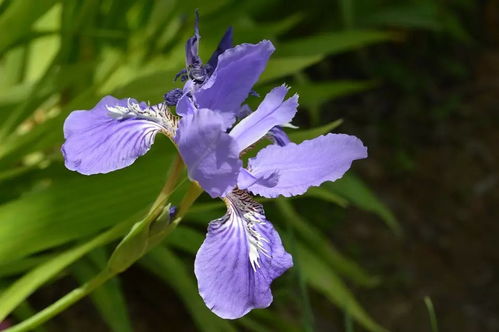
x: 242, y: 253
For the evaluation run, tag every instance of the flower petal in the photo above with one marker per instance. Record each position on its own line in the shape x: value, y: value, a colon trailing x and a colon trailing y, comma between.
x: 211, y: 155
x: 237, y: 71
x: 240, y: 257
x: 272, y: 111
x: 192, y: 45
x: 185, y: 105
x: 279, y: 136
x: 300, y: 166
x: 246, y: 179
x: 98, y: 143
x: 224, y: 44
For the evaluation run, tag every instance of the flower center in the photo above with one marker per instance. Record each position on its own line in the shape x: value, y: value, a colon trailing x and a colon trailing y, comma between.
x: 159, y: 114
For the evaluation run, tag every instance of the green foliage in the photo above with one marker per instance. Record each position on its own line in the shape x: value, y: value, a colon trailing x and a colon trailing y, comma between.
x: 109, y: 298
x: 431, y: 313
x: 62, y: 55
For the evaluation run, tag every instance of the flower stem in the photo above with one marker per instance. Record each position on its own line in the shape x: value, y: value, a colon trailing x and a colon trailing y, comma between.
x: 82, y: 291
x: 190, y: 197
x: 174, y: 174
x: 63, y: 303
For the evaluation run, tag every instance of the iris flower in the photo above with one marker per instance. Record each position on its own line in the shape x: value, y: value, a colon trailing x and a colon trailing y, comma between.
x: 242, y: 253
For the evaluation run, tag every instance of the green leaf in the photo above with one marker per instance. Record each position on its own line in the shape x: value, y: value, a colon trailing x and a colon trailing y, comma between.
x: 149, y: 87
x: 23, y: 265
x: 322, y: 278
x: 131, y: 247
x: 355, y: 191
x: 332, y: 43
x: 431, y: 314
x: 416, y: 15
x: 312, y: 94
x: 299, y: 136
x: 108, y: 298
x: 18, y: 20
x: 172, y: 270
x: 76, y: 205
x: 186, y: 239
x: 135, y: 244
x: 24, y: 311
x: 314, y: 239
x: 27, y: 284
x: 284, y: 66
x: 326, y: 195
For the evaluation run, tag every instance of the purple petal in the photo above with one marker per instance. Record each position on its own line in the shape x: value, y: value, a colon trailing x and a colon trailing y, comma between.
x: 98, y: 143
x: 271, y: 112
x: 243, y: 112
x: 300, y: 166
x: 246, y: 179
x: 224, y: 44
x: 279, y: 136
x: 192, y: 45
x: 211, y: 155
x: 173, y: 96
x: 240, y: 257
x: 237, y: 71
x: 185, y: 105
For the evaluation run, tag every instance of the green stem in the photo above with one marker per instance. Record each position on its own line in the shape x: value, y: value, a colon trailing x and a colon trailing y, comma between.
x: 173, y: 176
x: 431, y: 313
x: 190, y: 197
x: 23, y: 287
x: 78, y: 293
x: 63, y: 303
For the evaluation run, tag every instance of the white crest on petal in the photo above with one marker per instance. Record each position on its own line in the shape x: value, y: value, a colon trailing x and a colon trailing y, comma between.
x: 159, y: 114
x: 243, y: 211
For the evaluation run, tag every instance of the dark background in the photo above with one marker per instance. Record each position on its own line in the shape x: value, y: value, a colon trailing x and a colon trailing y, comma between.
x: 430, y: 120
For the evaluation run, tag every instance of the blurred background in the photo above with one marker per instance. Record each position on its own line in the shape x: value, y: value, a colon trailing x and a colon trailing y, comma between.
x: 411, y: 228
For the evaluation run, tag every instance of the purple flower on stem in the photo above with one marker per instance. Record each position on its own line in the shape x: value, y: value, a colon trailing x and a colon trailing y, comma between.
x: 242, y: 253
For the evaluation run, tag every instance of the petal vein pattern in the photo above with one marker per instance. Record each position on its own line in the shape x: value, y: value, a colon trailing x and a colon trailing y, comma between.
x: 211, y: 155
x: 273, y: 111
x: 300, y: 166
x: 237, y: 71
x: 240, y: 257
x: 111, y: 136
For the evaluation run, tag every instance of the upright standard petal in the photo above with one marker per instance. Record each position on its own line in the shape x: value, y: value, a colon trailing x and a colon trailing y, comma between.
x: 300, y: 166
x: 246, y: 179
x: 185, y: 105
x: 101, y: 140
x: 279, y: 136
x: 272, y: 111
x: 211, y: 155
x: 240, y: 257
x: 237, y: 71
x: 224, y: 44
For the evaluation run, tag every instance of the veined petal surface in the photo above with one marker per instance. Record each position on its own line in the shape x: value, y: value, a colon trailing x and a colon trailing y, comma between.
x: 97, y: 142
x: 272, y: 111
x: 211, y: 155
x: 310, y: 163
x: 237, y: 71
x: 240, y: 257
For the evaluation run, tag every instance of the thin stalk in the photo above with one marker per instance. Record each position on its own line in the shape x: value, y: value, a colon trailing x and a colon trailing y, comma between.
x: 431, y: 313
x: 173, y: 176
x: 63, y: 303
x: 190, y: 197
x: 80, y: 292
x: 13, y: 296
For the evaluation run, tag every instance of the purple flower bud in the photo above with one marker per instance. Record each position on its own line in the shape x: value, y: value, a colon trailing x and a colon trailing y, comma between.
x: 172, y: 96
